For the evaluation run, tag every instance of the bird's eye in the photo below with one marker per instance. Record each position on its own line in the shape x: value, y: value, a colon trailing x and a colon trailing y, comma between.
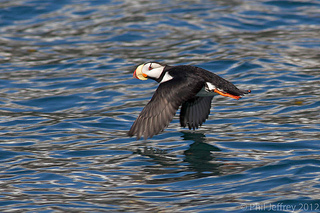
x: 150, y: 68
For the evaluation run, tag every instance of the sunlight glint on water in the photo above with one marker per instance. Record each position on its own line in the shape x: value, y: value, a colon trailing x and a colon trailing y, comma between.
x: 67, y: 100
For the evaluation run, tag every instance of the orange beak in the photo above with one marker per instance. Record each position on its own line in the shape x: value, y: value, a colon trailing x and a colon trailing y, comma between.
x: 138, y: 74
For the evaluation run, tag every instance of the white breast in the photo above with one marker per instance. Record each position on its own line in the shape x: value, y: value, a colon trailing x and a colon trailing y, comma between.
x: 166, y: 77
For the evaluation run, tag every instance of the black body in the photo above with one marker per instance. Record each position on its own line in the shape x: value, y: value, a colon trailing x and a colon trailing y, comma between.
x: 182, y: 89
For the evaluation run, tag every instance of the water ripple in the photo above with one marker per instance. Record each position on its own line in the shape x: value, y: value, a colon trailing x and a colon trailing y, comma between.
x: 67, y: 100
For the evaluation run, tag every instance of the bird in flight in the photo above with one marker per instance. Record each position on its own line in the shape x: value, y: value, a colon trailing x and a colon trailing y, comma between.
x: 187, y: 86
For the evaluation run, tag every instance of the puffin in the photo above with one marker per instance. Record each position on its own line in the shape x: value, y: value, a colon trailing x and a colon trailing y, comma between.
x: 187, y: 86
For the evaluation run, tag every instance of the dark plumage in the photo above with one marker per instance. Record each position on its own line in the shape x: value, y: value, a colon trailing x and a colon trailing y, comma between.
x: 189, y: 86
x: 195, y: 111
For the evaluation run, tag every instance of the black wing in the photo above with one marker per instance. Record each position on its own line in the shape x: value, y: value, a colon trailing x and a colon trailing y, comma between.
x: 195, y: 111
x: 158, y: 113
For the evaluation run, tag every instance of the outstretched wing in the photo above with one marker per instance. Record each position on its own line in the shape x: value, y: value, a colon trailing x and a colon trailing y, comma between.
x: 195, y: 111
x: 158, y: 113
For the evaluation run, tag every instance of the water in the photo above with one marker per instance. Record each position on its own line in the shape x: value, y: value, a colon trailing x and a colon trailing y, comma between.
x: 67, y: 100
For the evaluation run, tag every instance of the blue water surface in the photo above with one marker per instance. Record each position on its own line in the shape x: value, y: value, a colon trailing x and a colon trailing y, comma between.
x: 68, y: 98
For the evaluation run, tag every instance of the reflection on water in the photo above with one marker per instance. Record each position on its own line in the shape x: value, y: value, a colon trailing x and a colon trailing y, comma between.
x: 200, y: 155
x: 67, y: 100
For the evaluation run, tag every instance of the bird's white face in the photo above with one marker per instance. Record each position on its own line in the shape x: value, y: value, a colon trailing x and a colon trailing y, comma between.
x: 148, y: 70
